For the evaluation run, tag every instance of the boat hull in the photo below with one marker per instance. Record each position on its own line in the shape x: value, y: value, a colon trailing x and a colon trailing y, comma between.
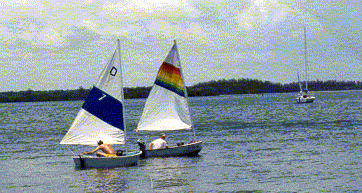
x: 308, y: 99
x: 190, y: 149
x: 86, y: 161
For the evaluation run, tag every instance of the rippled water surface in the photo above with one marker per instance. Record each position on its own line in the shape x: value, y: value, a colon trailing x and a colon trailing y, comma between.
x: 257, y: 143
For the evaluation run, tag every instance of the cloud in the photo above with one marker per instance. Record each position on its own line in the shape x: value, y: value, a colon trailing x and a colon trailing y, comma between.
x: 59, y: 24
x: 261, y: 14
x: 340, y: 22
x: 131, y: 10
x: 244, y: 38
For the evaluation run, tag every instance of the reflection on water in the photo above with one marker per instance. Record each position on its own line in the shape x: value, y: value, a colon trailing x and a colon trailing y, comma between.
x: 104, y: 180
x: 174, y: 174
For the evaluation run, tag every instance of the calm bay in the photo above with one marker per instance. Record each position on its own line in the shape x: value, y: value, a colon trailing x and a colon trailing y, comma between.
x: 252, y: 143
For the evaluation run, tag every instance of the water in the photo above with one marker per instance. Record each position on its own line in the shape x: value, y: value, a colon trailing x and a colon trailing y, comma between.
x: 252, y: 143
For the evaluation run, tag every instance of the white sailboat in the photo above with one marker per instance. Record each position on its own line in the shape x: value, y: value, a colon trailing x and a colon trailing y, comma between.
x: 304, y: 96
x: 167, y: 108
x: 102, y: 118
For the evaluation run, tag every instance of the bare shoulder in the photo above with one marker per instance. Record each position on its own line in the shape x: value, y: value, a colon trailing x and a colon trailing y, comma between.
x: 103, y: 146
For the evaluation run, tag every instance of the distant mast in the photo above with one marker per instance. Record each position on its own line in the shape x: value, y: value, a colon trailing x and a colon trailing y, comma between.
x: 305, y: 59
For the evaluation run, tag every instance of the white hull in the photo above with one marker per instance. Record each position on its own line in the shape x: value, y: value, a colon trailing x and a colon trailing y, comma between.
x: 307, y: 99
x: 190, y: 149
x: 87, y: 161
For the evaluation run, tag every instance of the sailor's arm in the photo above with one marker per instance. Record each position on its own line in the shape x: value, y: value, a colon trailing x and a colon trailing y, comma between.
x: 150, y: 146
x: 91, y: 152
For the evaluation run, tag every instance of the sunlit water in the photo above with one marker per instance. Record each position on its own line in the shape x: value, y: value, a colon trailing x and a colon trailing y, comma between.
x: 258, y: 143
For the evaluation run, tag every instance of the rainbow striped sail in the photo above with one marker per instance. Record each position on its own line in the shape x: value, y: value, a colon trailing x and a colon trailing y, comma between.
x: 169, y: 77
x: 166, y: 107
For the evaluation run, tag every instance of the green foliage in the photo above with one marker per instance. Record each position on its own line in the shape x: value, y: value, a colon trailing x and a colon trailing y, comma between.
x: 211, y: 88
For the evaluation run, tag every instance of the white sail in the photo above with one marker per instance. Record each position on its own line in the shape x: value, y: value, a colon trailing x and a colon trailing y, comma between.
x: 101, y: 116
x: 166, y: 107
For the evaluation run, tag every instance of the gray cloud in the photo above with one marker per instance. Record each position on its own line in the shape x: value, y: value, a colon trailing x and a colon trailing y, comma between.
x: 51, y: 44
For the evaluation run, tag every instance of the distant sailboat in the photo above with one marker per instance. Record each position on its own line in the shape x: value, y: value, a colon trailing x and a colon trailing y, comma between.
x: 304, y: 96
x: 102, y: 118
x: 167, y: 109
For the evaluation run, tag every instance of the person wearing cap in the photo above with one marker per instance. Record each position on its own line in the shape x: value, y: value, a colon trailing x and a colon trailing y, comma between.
x: 159, y: 143
x: 106, y: 148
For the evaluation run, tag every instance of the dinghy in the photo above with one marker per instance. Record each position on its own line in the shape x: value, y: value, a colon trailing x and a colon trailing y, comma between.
x: 102, y: 118
x: 167, y: 109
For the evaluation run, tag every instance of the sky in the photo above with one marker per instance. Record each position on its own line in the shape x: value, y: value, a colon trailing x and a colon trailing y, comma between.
x: 52, y: 45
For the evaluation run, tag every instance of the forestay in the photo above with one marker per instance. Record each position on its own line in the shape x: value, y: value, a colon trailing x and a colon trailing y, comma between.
x: 166, y: 107
x: 101, y: 116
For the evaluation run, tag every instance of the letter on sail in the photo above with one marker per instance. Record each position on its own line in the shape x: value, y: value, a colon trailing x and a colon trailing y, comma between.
x: 101, y: 116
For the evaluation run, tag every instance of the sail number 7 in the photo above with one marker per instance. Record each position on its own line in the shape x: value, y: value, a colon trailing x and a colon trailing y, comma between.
x: 102, y: 97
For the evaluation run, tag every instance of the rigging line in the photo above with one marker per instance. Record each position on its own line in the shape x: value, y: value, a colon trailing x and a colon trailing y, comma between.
x: 184, y: 84
x: 62, y: 146
x: 68, y: 149
x: 125, y: 134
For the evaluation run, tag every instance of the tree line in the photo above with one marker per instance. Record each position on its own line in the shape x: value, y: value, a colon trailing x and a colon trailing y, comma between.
x: 211, y: 88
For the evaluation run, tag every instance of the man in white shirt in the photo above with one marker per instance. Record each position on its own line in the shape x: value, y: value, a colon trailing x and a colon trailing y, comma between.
x: 159, y: 143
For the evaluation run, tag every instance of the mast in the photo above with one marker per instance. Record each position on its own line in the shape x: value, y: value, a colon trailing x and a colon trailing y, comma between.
x: 122, y: 97
x: 305, y: 59
x: 183, y: 81
x: 300, y: 85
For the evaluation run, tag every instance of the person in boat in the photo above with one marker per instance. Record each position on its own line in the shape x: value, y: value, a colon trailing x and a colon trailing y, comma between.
x: 159, y: 143
x: 107, y: 149
x: 192, y: 141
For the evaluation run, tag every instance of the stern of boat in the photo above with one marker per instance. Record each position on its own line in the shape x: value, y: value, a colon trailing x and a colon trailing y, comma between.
x: 190, y: 149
